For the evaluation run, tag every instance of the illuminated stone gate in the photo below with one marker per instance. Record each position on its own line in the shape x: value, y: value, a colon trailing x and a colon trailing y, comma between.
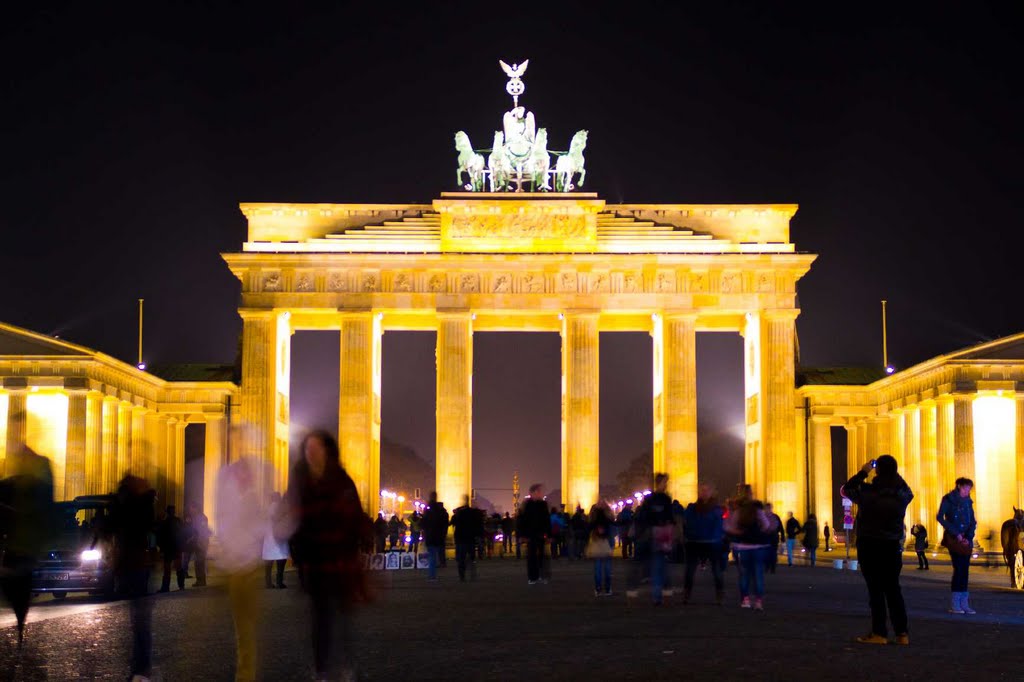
x: 565, y: 262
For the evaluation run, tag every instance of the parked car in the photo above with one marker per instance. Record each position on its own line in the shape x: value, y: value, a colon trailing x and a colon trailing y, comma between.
x: 80, y: 556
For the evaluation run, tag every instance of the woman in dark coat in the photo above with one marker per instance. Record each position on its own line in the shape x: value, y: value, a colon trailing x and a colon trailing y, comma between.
x: 331, y: 529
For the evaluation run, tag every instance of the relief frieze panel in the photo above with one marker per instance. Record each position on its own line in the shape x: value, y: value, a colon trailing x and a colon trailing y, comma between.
x: 518, y: 225
x: 501, y: 283
x: 437, y: 283
x: 369, y: 282
x: 531, y: 283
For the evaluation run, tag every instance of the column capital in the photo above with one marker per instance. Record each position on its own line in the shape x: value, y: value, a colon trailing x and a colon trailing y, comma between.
x: 780, y: 314
x: 454, y: 313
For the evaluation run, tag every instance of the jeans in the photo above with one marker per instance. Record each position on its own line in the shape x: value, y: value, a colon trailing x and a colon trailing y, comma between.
x: 922, y: 560
x: 175, y: 560
x: 703, y: 551
x: 135, y: 584
x: 603, y: 574
x: 200, y: 555
x: 465, y: 552
x: 433, y: 559
x: 752, y: 563
x: 268, y: 571
x: 657, y: 575
x: 961, y: 567
x: 245, y: 610
x: 881, y: 562
x: 329, y: 611
x: 790, y: 546
x: 534, y: 558
x: 812, y: 552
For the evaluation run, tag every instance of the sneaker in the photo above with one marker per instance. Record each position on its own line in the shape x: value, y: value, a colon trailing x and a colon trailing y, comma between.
x: 759, y: 604
x: 957, y: 610
x: 872, y: 638
x: 902, y: 640
x: 745, y: 603
x: 968, y: 610
x: 597, y: 593
x: 531, y: 582
x: 607, y: 593
x: 632, y: 593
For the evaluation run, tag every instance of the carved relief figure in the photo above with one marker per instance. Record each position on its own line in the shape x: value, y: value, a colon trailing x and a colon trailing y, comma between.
x: 502, y: 284
x: 468, y: 283
x: 371, y: 282
x: 403, y: 282
x: 337, y: 281
x: 567, y: 282
x: 272, y: 281
x: 598, y: 282
x: 470, y: 163
x: 665, y: 282
x: 436, y: 284
x: 698, y: 282
x: 631, y: 283
x: 304, y: 283
x: 533, y: 284
x: 730, y: 283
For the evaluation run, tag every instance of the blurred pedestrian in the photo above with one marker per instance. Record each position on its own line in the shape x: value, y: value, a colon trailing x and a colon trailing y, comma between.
x: 778, y: 537
x: 579, y: 526
x: 881, y: 506
x: 26, y: 524
x: 599, y: 547
x: 396, y: 533
x: 827, y: 532
x: 201, y: 544
x: 535, y: 525
x: 241, y: 527
x: 414, y: 532
x: 704, y: 531
x: 275, y: 549
x: 751, y: 529
x: 920, y: 535
x: 435, y: 533
x: 810, y: 539
x: 792, y: 530
x: 331, y: 529
x: 656, y: 526
x: 170, y: 538
x: 507, y: 527
x: 956, y: 515
x: 627, y: 533
x: 380, y: 533
x: 468, y: 528
x: 131, y: 520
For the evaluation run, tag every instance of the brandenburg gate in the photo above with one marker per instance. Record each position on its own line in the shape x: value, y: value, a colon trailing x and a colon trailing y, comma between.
x: 522, y: 250
x: 507, y: 261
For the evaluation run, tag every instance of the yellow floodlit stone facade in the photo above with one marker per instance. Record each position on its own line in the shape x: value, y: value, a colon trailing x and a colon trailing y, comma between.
x: 96, y: 418
x: 566, y: 263
x: 960, y: 414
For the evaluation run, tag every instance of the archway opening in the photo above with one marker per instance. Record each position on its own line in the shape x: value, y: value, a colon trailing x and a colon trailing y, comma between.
x: 721, y: 427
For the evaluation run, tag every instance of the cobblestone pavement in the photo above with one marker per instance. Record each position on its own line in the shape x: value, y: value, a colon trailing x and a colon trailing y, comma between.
x: 500, y: 628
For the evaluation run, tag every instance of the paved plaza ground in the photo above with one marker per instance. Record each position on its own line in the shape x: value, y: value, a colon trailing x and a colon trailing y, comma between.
x: 500, y: 628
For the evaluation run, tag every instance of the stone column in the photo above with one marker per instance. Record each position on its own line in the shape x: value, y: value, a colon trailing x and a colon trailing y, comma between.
x: 963, y: 437
x: 17, y: 422
x: 821, y: 469
x: 877, y: 438
x: 94, y: 484
x: 945, y: 452
x: 156, y: 460
x: 580, y: 409
x: 266, y: 344
x: 124, y: 441
x: 778, y: 395
x: 853, y: 444
x: 359, y: 404
x: 927, y: 494
x: 74, y: 457
x: 214, y: 457
x: 1020, y: 449
x: 111, y: 444
x: 176, y: 461
x: 897, y: 436
x: 911, y: 463
x: 454, y: 407
x: 862, y: 442
x: 140, y: 448
x: 675, y: 402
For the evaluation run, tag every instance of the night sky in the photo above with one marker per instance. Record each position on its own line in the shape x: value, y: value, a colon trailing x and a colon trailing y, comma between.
x: 129, y: 137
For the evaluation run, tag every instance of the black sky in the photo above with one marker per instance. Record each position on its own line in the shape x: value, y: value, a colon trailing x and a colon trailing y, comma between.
x: 129, y: 136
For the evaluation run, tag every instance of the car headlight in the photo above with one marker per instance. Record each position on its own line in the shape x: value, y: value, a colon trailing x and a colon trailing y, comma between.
x: 91, y: 555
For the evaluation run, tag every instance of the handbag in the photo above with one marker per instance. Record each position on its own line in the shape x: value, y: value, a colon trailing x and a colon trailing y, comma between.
x: 598, y: 548
x: 949, y: 541
x: 663, y: 538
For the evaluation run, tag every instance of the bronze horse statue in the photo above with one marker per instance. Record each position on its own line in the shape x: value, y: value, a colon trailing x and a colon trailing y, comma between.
x: 1010, y: 535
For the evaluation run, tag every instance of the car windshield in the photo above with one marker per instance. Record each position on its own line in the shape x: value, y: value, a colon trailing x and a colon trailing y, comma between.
x: 78, y: 525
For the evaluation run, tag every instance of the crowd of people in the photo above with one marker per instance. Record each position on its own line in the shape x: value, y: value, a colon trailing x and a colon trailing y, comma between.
x: 320, y: 524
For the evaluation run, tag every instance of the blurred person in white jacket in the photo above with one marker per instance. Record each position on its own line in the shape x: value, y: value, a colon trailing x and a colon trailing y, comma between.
x: 240, y: 528
x: 275, y: 551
